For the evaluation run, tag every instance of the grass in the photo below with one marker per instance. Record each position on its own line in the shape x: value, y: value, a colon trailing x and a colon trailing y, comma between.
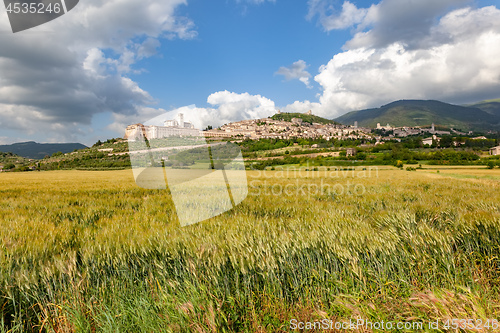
x: 468, y: 172
x: 84, y: 251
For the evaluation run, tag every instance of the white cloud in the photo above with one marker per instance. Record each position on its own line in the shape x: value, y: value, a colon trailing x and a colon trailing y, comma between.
x: 348, y: 17
x: 57, y: 76
x: 121, y: 121
x: 226, y: 107
x: 389, y: 21
x: 4, y: 140
x: 296, y: 71
x: 148, y: 48
x: 233, y: 106
x: 303, y: 107
x: 458, y: 61
x: 404, y: 21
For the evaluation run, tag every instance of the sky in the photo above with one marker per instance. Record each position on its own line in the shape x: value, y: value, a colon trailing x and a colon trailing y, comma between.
x: 107, y: 64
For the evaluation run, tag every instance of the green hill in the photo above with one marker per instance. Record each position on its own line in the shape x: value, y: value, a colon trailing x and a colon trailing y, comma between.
x: 424, y: 113
x: 10, y: 160
x: 39, y: 150
x: 308, y: 118
x: 492, y: 106
x: 101, y: 156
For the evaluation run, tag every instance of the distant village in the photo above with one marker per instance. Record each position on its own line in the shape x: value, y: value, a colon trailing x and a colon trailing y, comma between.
x: 264, y: 128
x: 267, y: 128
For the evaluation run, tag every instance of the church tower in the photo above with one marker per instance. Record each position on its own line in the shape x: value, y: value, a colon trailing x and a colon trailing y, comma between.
x: 181, y: 120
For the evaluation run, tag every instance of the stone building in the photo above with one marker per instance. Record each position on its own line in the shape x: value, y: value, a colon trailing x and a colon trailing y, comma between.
x: 495, y: 150
x: 171, y: 128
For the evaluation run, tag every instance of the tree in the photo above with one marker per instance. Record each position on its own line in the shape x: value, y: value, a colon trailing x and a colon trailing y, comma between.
x: 446, y: 141
x: 361, y: 156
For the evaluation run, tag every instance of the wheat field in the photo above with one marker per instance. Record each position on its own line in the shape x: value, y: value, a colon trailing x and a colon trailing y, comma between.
x: 84, y: 251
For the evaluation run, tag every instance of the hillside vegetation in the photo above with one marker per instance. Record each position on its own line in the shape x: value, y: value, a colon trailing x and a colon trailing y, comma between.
x: 38, y: 151
x: 305, y: 117
x: 108, y: 155
x: 492, y: 107
x: 9, y: 160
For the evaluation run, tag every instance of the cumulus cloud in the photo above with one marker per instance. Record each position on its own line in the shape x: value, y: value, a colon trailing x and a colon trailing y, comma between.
x: 57, y: 76
x: 458, y: 60
x: 296, y: 71
x: 303, y: 107
x: 405, y: 21
x: 233, y: 106
x: 226, y: 107
x: 348, y: 17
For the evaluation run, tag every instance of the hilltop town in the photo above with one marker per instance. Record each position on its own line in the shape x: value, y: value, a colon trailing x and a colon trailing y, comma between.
x: 276, y: 127
x: 268, y: 128
x: 255, y: 129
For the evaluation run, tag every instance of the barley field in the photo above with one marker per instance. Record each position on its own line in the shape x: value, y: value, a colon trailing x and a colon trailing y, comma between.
x: 84, y: 251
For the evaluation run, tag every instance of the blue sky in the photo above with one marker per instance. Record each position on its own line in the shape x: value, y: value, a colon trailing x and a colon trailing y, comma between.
x: 107, y: 64
x: 239, y: 47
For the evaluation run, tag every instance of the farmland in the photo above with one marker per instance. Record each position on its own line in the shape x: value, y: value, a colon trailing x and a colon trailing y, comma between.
x: 89, y: 251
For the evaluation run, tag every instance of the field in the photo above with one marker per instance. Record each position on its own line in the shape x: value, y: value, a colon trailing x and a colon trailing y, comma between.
x: 84, y: 251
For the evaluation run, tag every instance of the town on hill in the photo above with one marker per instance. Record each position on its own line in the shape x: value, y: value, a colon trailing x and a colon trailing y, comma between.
x: 276, y: 127
x: 296, y: 127
x: 286, y: 126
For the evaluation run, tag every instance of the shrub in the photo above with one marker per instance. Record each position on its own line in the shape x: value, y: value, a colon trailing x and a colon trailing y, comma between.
x: 57, y: 154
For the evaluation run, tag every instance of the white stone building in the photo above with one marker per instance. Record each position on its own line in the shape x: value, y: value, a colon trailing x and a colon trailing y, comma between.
x: 171, y: 128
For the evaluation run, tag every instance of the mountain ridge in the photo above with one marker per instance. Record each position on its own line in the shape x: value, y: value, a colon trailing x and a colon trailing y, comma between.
x: 425, y: 112
x: 34, y: 150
